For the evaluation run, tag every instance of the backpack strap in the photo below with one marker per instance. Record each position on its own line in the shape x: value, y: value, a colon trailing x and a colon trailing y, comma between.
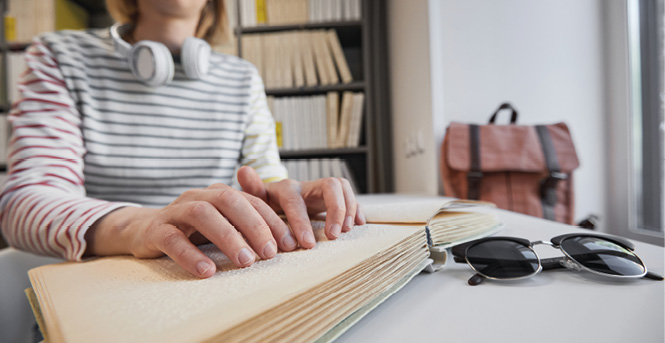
x: 548, y: 185
x: 475, y: 175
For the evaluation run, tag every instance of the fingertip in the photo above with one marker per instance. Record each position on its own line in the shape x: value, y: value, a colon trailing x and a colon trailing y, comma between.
x: 288, y: 242
x: 205, y: 269
x: 348, y: 223
x: 307, y: 239
x: 334, y: 231
x: 246, y: 257
x: 360, y: 218
x: 270, y: 250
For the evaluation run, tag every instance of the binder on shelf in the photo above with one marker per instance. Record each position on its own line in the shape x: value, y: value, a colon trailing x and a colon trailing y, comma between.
x: 293, y: 12
x: 314, y: 122
x: 356, y: 120
x: 298, y: 64
x: 344, y: 119
x: 332, y: 107
x: 28, y: 18
x: 297, y: 58
x: 318, y: 168
x: 338, y: 54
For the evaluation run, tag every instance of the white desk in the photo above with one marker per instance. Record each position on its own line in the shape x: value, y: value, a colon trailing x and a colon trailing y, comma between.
x: 553, y: 306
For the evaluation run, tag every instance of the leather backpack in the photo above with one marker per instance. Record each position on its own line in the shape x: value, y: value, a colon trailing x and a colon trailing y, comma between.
x: 526, y: 169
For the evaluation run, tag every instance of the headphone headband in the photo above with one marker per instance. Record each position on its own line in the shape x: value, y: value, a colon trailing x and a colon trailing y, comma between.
x: 120, y: 44
x: 152, y: 63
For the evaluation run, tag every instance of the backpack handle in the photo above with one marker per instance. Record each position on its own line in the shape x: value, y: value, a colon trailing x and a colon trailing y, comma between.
x: 505, y: 106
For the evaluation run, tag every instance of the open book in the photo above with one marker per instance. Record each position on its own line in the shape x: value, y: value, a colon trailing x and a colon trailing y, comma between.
x: 449, y: 221
x: 300, y: 296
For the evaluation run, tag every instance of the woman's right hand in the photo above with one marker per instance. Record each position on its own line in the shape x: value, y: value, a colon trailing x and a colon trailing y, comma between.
x: 220, y: 213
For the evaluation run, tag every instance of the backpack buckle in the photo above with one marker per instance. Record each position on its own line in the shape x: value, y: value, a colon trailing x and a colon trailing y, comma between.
x: 548, y: 186
x: 473, y: 178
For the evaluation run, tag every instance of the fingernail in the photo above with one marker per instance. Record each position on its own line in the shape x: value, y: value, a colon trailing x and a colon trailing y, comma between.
x: 348, y: 223
x: 362, y: 217
x: 288, y: 241
x: 269, y: 250
x: 308, y: 237
x: 335, y: 230
x: 245, y: 256
x: 202, y: 267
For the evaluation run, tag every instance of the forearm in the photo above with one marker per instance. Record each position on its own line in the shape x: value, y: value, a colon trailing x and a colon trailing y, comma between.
x: 111, y: 234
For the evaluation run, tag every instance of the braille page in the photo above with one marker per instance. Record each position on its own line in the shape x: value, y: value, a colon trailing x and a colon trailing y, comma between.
x: 400, y: 209
x: 122, y: 299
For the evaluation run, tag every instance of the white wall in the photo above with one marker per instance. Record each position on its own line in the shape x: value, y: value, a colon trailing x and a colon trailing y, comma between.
x: 411, y: 96
x: 545, y: 57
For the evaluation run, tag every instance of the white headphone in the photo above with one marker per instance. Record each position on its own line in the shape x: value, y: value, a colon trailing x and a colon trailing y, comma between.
x: 152, y: 63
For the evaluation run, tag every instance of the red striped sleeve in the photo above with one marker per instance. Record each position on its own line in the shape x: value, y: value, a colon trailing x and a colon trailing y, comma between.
x: 44, y: 205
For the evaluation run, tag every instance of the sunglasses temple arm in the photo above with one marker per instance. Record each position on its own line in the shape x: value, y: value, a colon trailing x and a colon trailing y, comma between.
x: 555, y: 263
x: 552, y: 263
x: 653, y: 276
x: 476, y: 280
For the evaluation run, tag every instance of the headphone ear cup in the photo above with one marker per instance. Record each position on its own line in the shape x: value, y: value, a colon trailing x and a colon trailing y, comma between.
x: 151, y: 63
x: 195, y: 56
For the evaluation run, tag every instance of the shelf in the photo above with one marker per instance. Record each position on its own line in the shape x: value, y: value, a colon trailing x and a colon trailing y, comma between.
x: 351, y: 86
x: 16, y: 46
x: 322, y: 152
x: 92, y: 6
x: 323, y: 25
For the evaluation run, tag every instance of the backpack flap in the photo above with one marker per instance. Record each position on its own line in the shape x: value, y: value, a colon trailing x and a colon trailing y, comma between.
x: 504, y: 148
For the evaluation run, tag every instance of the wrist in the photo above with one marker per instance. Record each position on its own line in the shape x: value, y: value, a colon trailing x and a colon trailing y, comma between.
x: 109, y: 235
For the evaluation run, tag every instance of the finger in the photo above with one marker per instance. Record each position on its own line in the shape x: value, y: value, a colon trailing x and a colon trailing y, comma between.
x: 295, y: 209
x: 244, y: 217
x: 333, y: 197
x: 360, y: 215
x: 251, y: 182
x: 280, y: 231
x: 175, y: 244
x: 210, y: 223
x: 350, y: 203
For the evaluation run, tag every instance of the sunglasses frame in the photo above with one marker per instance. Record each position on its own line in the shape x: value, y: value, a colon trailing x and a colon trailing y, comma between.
x: 567, y: 261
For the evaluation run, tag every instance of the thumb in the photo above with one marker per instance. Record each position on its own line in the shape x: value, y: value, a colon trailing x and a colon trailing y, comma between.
x: 251, y: 182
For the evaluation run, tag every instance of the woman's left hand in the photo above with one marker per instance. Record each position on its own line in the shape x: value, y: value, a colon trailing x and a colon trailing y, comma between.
x: 299, y: 200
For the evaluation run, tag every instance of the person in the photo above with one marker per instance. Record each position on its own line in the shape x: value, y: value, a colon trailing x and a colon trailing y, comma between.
x: 126, y: 141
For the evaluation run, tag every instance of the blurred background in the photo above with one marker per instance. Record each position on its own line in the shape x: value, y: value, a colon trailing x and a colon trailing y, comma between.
x: 409, y: 68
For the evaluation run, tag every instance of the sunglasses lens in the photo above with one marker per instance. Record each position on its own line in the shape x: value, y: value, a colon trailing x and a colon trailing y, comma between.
x: 502, y: 259
x: 603, y: 256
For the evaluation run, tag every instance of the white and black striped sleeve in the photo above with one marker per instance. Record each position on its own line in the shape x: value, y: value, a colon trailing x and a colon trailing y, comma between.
x: 259, y: 149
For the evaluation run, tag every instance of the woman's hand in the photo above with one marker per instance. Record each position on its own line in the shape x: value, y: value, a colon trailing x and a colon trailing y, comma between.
x: 300, y: 199
x: 218, y: 213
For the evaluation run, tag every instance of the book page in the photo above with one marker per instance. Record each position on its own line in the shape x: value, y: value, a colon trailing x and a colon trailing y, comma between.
x: 390, y: 208
x: 120, y: 299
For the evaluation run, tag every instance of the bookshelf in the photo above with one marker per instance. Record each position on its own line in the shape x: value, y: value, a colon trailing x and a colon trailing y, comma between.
x: 363, y: 42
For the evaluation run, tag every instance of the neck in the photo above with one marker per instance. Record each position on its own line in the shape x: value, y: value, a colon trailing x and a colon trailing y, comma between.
x: 169, y: 31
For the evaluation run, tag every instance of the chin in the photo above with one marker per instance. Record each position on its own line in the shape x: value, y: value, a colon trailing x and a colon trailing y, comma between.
x: 175, y: 8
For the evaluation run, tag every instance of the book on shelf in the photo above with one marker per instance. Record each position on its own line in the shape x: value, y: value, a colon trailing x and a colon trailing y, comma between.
x: 28, y: 18
x: 318, y: 121
x: 4, y: 139
x: 16, y: 65
x: 318, y: 168
x: 297, y: 58
x: 298, y: 296
x: 290, y: 12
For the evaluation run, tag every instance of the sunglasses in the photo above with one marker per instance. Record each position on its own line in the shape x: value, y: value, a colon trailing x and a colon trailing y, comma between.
x: 510, y: 258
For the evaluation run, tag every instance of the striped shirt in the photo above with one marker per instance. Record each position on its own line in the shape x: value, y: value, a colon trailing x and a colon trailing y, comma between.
x: 89, y: 138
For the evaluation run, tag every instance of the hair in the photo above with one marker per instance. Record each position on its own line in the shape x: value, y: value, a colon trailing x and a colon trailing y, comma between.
x: 213, y: 24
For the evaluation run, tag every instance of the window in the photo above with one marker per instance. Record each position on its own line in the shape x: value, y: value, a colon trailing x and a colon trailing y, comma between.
x: 647, y: 103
